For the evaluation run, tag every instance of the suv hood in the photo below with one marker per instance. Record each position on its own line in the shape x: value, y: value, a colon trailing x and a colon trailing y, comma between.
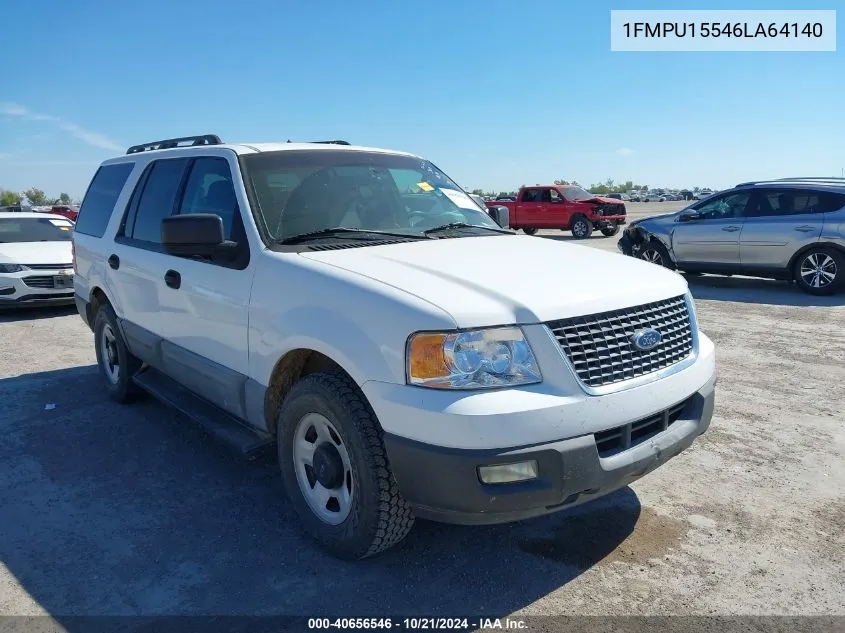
x: 36, y: 253
x: 498, y: 280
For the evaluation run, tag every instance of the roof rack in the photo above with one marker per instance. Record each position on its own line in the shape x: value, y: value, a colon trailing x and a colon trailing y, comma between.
x: 169, y: 143
x: 811, y: 179
x: 328, y: 142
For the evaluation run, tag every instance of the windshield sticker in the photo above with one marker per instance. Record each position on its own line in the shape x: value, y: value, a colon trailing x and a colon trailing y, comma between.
x: 59, y: 223
x: 459, y: 198
x: 425, y: 186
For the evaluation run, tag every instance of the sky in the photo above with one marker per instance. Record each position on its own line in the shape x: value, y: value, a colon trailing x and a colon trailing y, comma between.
x: 496, y: 93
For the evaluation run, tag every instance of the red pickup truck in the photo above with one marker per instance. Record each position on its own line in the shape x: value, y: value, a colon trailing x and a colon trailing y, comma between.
x: 564, y: 207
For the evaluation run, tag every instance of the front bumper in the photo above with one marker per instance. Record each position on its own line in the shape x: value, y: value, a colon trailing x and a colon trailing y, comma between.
x: 442, y: 484
x: 36, y: 288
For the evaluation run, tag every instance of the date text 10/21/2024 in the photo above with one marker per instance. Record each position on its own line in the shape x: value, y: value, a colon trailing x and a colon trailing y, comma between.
x: 719, y: 29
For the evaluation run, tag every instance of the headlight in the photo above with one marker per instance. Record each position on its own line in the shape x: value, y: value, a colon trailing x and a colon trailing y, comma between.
x: 12, y: 268
x: 476, y: 359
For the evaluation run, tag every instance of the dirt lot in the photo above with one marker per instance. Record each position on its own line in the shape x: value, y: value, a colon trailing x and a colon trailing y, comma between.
x: 111, y: 510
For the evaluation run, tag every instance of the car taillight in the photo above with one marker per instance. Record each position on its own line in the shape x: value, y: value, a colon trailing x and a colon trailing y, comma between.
x: 73, y: 255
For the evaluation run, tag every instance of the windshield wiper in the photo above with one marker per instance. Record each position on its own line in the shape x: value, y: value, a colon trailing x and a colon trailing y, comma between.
x: 343, y: 231
x: 464, y: 225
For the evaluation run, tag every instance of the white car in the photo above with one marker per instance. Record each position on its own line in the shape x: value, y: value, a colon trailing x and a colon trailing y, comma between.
x: 35, y: 259
x: 407, y: 356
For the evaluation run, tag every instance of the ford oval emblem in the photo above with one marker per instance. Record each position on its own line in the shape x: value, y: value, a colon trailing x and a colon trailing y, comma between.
x: 646, y: 339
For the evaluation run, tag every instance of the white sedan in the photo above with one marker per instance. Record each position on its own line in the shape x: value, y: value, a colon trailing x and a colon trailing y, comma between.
x: 35, y: 259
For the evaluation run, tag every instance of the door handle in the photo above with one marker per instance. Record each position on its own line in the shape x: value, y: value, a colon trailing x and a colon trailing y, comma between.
x: 730, y: 229
x: 114, y: 262
x: 805, y: 228
x: 173, y: 279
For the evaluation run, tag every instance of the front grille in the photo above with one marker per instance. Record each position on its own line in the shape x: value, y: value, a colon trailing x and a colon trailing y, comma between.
x: 49, y: 281
x: 49, y: 266
x: 627, y: 436
x: 600, y: 349
x: 39, y: 281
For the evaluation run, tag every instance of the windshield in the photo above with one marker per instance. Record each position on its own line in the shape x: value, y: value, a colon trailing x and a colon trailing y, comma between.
x: 576, y: 193
x: 301, y: 192
x: 35, y: 230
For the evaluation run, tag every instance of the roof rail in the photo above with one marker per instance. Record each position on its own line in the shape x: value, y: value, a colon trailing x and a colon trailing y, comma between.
x: 169, y: 143
x: 816, y: 179
x: 327, y: 142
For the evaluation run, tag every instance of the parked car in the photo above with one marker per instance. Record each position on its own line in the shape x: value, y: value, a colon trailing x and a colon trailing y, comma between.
x: 635, y: 197
x: 565, y: 207
x: 704, y: 193
x: 407, y: 356
x: 66, y: 211
x: 499, y: 213
x: 686, y: 194
x: 16, y: 208
x: 35, y: 259
x: 618, y: 196
x: 792, y: 229
x: 652, y: 197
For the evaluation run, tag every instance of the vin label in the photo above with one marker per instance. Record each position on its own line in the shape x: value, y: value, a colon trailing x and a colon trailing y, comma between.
x: 728, y: 30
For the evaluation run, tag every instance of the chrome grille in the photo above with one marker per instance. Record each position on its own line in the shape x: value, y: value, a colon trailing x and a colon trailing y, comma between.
x: 599, y: 346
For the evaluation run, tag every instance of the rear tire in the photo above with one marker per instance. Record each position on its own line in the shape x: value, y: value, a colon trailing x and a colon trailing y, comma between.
x: 610, y: 230
x: 116, y: 363
x: 346, y: 497
x: 529, y: 230
x: 820, y: 271
x: 581, y: 228
x: 654, y: 252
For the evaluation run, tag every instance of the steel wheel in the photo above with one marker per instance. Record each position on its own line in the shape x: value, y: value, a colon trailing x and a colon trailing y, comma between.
x: 108, y: 354
x: 323, y: 469
x: 818, y: 270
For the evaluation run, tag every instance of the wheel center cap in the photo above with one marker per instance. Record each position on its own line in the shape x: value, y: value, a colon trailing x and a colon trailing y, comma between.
x: 328, y: 466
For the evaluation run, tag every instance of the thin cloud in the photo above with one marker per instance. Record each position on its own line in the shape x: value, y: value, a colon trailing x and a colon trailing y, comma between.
x: 94, y: 139
x: 624, y: 151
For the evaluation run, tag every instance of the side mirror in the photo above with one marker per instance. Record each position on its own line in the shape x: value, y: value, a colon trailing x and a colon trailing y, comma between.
x: 689, y: 216
x: 500, y: 215
x: 194, y: 235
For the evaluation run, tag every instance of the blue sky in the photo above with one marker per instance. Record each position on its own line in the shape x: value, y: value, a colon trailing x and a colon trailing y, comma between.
x: 497, y: 93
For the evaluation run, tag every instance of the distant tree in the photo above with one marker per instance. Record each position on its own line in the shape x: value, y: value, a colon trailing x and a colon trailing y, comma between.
x: 562, y: 182
x: 64, y: 198
x: 35, y: 196
x: 9, y: 198
x: 696, y: 189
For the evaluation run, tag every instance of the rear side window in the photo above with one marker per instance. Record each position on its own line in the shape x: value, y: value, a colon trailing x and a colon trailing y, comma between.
x: 158, y: 199
x: 102, y: 195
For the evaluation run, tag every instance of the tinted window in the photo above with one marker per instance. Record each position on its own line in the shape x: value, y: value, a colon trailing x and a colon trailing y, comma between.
x: 99, y: 201
x: 531, y: 195
x: 209, y: 190
x: 35, y: 230
x: 786, y: 202
x: 729, y: 206
x: 158, y: 198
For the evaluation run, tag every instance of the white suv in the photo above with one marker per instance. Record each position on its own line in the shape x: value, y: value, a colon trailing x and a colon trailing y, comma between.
x: 408, y: 357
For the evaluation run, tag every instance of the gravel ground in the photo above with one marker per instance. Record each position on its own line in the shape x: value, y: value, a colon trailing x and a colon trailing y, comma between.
x: 133, y: 510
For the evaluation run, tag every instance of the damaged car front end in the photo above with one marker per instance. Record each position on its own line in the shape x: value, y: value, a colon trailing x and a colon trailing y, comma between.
x: 650, y: 239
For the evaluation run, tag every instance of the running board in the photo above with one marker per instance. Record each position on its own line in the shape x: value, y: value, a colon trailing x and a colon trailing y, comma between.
x: 221, y: 425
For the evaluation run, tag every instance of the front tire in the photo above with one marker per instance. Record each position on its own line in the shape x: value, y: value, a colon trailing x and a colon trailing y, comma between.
x: 116, y: 363
x: 610, y: 230
x: 655, y: 253
x: 581, y: 228
x: 820, y: 271
x: 529, y: 230
x: 336, y: 471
